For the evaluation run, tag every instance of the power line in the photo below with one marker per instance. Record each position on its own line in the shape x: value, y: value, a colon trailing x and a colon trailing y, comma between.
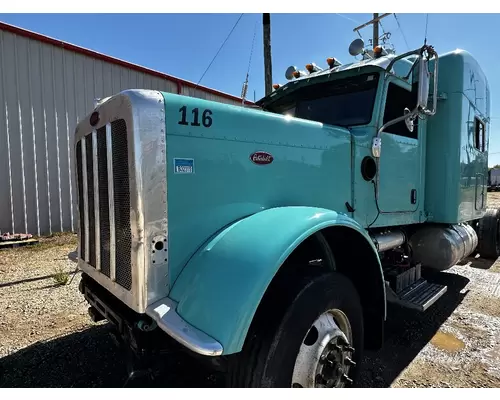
x: 346, y: 17
x: 350, y: 19
x: 402, y: 33
x: 383, y: 30
x: 220, y: 48
x: 251, y: 49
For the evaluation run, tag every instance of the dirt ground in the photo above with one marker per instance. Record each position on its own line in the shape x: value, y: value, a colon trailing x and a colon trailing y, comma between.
x: 47, y: 338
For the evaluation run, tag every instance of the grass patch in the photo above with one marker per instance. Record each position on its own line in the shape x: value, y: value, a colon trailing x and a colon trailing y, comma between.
x: 60, y: 276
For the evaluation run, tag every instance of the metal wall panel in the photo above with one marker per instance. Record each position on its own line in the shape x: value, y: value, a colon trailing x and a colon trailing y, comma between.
x: 44, y: 91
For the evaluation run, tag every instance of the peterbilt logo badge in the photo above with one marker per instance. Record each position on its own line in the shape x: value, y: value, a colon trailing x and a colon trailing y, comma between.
x: 261, y: 158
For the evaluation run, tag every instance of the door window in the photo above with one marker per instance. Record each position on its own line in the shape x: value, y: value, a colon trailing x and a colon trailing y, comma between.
x: 397, y: 100
x: 479, y: 135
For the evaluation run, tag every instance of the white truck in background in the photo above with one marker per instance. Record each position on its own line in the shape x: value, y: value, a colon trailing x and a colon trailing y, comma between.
x: 493, y: 179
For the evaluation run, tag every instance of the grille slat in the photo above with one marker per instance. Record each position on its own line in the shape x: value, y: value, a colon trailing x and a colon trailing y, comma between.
x: 102, y: 160
x: 97, y: 225
x: 79, y: 173
x: 85, y: 202
x: 90, y: 199
x: 123, y: 234
x: 114, y: 216
x: 111, y: 205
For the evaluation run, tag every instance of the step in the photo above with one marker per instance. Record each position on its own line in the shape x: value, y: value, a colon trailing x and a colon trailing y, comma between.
x: 418, y: 296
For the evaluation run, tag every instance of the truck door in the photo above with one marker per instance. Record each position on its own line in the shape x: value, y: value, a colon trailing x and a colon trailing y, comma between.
x: 399, y: 164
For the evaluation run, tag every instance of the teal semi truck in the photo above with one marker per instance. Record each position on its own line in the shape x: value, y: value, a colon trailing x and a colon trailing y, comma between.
x: 269, y: 239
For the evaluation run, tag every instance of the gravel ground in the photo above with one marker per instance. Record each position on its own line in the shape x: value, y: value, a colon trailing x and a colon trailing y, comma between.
x: 47, y: 338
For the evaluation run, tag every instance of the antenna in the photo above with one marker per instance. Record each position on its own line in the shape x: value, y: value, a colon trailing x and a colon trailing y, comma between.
x: 245, y: 84
x: 244, y: 90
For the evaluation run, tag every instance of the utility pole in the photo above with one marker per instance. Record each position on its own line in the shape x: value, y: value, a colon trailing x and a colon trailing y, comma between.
x: 374, y: 22
x: 375, y: 30
x: 268, y: 75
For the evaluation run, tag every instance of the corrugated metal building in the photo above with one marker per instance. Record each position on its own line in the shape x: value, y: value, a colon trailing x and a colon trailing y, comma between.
x: 46, y: 86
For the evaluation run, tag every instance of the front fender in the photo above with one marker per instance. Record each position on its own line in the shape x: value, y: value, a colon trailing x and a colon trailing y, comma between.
x: 220, y: 288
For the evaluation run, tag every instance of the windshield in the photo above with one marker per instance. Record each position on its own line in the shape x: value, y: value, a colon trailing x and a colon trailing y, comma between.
x: 345, y: 102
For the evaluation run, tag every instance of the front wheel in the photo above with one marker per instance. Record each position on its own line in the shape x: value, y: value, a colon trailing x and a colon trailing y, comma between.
x: 317, y: 342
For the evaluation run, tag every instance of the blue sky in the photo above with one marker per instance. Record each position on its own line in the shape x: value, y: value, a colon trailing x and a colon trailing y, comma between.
x: 183, y: 44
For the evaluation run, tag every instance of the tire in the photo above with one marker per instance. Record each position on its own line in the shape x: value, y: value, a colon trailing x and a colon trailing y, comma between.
x: 274, y: 340
x: 489, y: 234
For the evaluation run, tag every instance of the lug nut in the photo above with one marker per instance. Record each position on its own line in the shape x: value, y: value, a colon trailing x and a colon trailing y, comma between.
x: 349, y: 362
x: 347, y: 379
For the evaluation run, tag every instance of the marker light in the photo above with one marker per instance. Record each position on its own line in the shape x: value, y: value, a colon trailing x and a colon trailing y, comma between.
x: 276, y: 86
x: 377, y: 51
x: 298, y: 73
x: 313, y: 68
x: 331, y: 62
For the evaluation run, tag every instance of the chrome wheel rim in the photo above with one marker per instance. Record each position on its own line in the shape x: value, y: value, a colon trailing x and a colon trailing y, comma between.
x: 325, y: 355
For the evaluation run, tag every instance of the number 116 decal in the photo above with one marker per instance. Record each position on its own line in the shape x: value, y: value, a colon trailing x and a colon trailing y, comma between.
x: 206, y: 118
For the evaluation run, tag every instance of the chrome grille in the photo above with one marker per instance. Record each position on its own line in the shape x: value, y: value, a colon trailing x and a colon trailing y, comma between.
x: 123, y: 234
x: 102, y: 181
x: 104, y: 202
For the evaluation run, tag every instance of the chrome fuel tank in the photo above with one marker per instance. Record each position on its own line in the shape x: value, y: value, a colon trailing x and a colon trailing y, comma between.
x: 441, y: 247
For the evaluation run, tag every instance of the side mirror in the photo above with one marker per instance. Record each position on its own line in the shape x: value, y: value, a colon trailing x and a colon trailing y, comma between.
x: 424, y: 78
x: 409, y: 120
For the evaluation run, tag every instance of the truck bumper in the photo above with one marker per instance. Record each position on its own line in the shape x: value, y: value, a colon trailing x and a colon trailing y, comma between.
x: 165, y: 315
x: 140, y: 331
